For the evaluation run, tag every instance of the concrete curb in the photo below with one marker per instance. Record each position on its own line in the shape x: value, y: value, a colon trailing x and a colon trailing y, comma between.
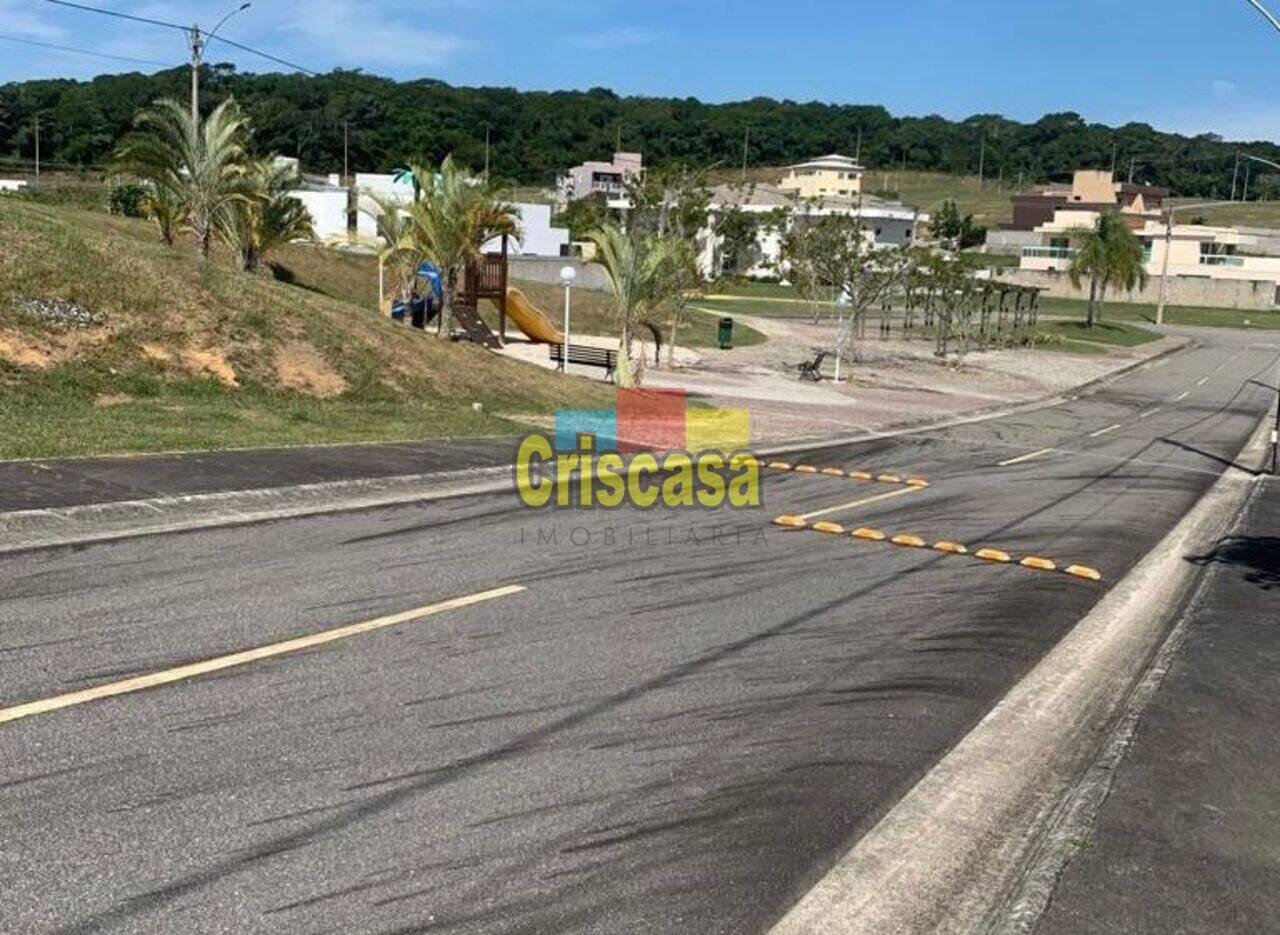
x: 951, y: 855
x: 38, y: 529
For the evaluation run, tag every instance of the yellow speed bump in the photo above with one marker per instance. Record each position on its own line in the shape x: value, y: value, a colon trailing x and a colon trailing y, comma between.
x: 834, y: 529
x: 917, y: 482
x: 955, y: 548
x: 779, y: 466
x: 1083, y: 571
x: 806, y: 469
x: 861, y: 475
x: 993, y: 555
x: 910, y: 542
x: 1040, y: 564
x: 791, y: 522
x: 889, y: 479
x: 833, y: 472
x: 875, y: 535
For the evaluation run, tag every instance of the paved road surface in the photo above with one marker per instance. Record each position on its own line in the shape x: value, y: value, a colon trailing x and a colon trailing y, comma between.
x: 679, y: 724
x: 1187, y: 841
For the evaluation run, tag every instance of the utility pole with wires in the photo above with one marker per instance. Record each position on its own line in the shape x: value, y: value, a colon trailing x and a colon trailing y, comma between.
x: 346, y: 174
x: 37, y: 149
x: 488, y: 127
x: 982, y: 161
x: 746, y: 143
x: 1235, y: 174
x: 198, y: 44
x: 857, y: 155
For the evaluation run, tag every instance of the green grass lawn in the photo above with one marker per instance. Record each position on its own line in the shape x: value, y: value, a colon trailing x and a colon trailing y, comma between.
x: 1174, y: 314
x: 1242, y: 213
x: 1076, y: 337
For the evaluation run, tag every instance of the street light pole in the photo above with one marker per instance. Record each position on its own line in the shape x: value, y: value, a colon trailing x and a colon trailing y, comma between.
x: 198, y: 44
x: 567, y: 275
x: 1168, y: 244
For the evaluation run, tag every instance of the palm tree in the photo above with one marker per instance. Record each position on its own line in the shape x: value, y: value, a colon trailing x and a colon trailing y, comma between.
x: 170, y: 216
x: 454, y: 214
x: 200, y: 165
x: 393, y: 239
x: 636, y: 266
x: 1110, y: 254
x: 268, y: 218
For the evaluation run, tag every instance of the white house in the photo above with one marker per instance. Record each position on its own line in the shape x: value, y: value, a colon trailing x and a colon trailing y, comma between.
x: 884, y: 223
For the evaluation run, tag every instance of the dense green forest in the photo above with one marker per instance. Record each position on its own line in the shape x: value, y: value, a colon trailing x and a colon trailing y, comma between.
x: 535, y: 134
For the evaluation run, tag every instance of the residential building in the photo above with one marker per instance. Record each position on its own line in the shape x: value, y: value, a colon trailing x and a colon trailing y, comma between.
x: 1090, y: 190
x: 832, y: 176
x: 885, y: 223
x: 603, y: 178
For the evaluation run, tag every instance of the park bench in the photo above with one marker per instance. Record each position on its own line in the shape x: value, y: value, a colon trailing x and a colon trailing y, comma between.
x: 587, y: 356
x: 811, y: 369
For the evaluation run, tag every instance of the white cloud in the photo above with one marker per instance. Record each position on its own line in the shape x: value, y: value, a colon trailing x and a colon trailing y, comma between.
x: 623, y: 37
x: 1223, y: 89
x: 18, y: 19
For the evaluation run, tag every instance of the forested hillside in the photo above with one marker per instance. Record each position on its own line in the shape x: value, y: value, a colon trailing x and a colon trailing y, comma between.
x: 535, y: 134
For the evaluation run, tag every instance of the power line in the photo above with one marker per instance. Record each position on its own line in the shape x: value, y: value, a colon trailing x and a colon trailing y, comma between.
x: 279, y: 61
x: 119, y: 15
x: 67, y: 48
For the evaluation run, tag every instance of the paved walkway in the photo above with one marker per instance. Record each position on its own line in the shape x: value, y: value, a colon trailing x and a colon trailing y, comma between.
x: 1189, y: 839
x: 33, y: 485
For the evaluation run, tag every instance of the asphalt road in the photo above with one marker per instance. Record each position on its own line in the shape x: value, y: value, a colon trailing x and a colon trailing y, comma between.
x: 677, y: 726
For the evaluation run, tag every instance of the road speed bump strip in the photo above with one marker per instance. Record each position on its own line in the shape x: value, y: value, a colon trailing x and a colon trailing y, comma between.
x: 993, y: 555
x: 861, y: 475
x: 833, y: 472
x: 910, y: 542
x: 218, y: 663
x: 779, y: 466
x: 1083, y: 571
x: 806, y: 469
x: 955, y: 548
x: 792, y: 522
x: 875, y: 535
x: 1041, y: 564
x: 889, y: 479
x: 834, y: 529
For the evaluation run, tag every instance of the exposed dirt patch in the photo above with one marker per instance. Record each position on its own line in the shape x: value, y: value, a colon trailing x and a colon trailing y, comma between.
x: 18, y: 351
x: 299, y: 366
x: 156, y: 353
x: 107, y: 400
x: 211, y: 363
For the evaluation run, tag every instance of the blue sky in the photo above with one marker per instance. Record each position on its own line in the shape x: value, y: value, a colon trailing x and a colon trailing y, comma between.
x: 1186, y: 65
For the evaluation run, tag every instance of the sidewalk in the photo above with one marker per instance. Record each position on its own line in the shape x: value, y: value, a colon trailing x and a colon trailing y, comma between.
x: 1189, y: 839
x: 35, y: 485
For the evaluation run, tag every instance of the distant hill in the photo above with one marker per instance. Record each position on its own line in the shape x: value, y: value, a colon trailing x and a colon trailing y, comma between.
x: 537, y: 133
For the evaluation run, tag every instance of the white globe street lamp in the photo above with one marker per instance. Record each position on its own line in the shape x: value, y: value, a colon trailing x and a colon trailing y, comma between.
x: 567, y: 275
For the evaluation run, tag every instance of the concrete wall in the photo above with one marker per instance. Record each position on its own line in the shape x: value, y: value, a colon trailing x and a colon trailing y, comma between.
x: 539, y: 238
x: 547, y: 270
x: 328, y: 210
x: 1182, y: 290
x: 1010, y: 242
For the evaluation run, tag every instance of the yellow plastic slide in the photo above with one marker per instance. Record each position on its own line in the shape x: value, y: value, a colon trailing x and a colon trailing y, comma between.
x: 530, y: 319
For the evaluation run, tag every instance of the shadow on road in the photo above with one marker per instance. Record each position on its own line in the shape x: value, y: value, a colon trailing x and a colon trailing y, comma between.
x: 1257, y: 556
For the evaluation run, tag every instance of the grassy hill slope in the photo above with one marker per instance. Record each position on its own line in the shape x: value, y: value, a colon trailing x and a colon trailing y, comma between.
x: 184, y: 355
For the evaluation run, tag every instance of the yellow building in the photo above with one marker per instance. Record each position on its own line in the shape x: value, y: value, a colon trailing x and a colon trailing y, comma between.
x: 831, y: 176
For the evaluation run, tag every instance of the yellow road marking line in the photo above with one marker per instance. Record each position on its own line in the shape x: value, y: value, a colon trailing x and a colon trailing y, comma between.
x: 1027, y: 457
x: 863, y: 502
x: 218, y: 663
x: 1180, y: 398
x: 1108, y: 429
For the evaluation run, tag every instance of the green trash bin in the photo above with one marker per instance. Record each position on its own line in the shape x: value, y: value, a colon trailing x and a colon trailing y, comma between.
x: 726, y: 333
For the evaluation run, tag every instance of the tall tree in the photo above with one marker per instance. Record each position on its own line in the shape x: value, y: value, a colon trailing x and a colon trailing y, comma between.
x: 201, y: 165
x: 1109, y: 254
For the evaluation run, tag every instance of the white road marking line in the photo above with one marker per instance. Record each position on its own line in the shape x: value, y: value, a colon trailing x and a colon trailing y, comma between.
x: 218, y: 663
x: 1150, y: 412
x: 1027, y: 457
x: 1109, y: 428
x: 1178, y: 399
x: 865, y: 500
x: 1202, y: 381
